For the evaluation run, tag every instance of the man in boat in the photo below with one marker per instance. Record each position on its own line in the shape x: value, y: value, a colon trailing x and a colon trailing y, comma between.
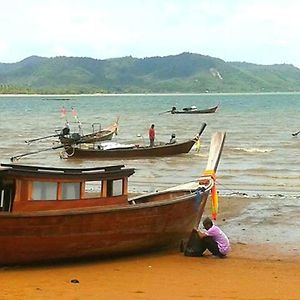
x: 172, y: 139
x: 151, y: 135
x: 66, y: 130
x: 212, y: 239
x: 173, y: 110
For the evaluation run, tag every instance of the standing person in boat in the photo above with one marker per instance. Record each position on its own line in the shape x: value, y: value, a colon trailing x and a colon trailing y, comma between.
x: 151, y: 135
x: 213, y: 239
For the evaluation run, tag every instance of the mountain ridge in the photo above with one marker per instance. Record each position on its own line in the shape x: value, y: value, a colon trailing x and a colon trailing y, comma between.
x: 181, y: 73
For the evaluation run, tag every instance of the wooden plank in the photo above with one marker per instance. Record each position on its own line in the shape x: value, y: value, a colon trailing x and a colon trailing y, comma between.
x: 44, y: 168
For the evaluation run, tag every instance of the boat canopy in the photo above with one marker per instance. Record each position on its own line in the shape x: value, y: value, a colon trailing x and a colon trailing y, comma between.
x: 36, y: 188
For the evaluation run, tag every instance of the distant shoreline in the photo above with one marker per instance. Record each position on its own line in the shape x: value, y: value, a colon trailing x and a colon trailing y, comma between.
x: 149, y: 94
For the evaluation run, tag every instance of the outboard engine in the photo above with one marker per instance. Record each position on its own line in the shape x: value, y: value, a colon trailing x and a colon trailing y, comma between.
x: 75, y: 136
x: 66, y: 131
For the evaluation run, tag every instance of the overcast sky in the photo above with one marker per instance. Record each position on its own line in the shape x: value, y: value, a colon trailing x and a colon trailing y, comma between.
x: 256, y: 31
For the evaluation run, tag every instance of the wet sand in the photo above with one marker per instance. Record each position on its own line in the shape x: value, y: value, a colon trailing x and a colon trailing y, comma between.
x: 251, y: 271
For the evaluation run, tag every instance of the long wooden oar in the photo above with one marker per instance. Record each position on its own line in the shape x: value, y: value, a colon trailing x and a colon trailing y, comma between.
x: 41, y: 138
x: 35, y: 152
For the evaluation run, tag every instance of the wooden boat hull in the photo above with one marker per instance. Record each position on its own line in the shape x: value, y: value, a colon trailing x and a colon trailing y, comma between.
x: 131, y: 228
x: 49, y: 213
x: 131, y: 153
x: 196, y: 111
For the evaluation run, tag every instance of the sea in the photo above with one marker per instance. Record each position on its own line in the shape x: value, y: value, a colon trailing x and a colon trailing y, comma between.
x: 260, y: 158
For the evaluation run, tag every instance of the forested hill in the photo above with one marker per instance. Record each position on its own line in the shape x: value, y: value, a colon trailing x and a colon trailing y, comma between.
x: 183, y: 73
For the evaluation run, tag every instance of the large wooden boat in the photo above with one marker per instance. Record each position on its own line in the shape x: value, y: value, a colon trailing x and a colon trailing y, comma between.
x: 50, y: 214
x: 194, y: 110
x: 131, y: 151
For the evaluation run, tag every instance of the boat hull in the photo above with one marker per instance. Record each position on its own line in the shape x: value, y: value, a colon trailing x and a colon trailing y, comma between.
x: 196, y: 111
x: 47, y: 236
x: 139, y: 152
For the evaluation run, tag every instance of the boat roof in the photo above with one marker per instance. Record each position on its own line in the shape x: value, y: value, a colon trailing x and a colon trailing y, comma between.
x: 96, y: 173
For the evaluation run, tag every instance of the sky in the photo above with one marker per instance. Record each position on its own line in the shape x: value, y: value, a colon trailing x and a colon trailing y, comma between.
x: 254, y: 31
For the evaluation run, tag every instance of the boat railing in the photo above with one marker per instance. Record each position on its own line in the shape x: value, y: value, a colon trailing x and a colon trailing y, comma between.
x: 93, y: 126
x: 63, y: 170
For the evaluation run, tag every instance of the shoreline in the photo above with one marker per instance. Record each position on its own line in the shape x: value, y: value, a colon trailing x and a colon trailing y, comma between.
x: 252, y: 270
x: 154, y: 94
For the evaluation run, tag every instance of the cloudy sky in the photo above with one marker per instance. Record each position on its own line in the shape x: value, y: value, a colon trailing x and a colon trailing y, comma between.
x: 256, y: 31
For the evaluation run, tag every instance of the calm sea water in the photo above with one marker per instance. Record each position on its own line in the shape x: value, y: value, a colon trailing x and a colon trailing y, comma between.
x: 260, y: 155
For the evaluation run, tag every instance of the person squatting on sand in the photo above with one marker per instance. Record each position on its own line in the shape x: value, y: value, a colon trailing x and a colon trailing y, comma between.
x: 213, y: 239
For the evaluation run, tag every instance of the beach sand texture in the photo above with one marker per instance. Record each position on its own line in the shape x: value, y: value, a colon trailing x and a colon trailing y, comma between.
x: 251, y: 271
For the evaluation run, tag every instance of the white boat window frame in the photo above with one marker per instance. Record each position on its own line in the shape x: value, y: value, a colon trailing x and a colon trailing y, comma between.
x: 115, y: 187
x: 92, y: 189
x: 2, y: 199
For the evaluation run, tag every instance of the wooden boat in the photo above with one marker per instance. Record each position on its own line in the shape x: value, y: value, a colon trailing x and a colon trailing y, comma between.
x: 57, y: 99
x: 194, y: 110
x: 133, y: 151
x: 50, y: 214
x: 67, y: 138
x: 101, y: 135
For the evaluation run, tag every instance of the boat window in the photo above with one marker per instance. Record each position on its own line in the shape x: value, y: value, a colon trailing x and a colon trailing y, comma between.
x: 44, y: 190
x: 115, y: 187
x: 71, y: 190
x: 92, y: 189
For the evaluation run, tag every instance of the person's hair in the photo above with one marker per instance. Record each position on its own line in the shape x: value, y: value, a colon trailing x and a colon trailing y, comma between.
x: 207, y: 221
x: 152, y: 125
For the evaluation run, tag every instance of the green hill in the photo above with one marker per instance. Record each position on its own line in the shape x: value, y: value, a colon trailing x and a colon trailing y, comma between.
x: 183, y: 73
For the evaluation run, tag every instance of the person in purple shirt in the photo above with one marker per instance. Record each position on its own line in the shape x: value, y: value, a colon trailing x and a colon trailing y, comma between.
x: 213, y: 239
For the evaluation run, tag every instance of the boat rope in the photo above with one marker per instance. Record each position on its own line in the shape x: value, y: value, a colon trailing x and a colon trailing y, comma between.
x: 65, y: 155
x: 198, y: 145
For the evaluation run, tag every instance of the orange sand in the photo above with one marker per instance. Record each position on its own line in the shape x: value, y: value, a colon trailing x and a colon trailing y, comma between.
x: 250, y: 272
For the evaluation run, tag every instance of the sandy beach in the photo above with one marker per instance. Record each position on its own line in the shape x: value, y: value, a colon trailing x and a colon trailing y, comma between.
x: 251, y: 271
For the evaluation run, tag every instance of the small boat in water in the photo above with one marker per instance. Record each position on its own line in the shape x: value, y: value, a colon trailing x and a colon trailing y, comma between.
x: 49, y: 214
x: 119, y: 151
x: 96, y: 136
x: 68, y: 140
x: 194, y: 110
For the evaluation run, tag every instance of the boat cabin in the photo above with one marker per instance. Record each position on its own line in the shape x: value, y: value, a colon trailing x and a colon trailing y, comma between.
x: 25, y: 188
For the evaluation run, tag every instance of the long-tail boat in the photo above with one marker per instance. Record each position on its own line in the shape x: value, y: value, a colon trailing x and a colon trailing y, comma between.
x: 68, y: 138
x: 194, y: 110
x: 131, y: 151
x: 96, y: 136
x: 50, y: 214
